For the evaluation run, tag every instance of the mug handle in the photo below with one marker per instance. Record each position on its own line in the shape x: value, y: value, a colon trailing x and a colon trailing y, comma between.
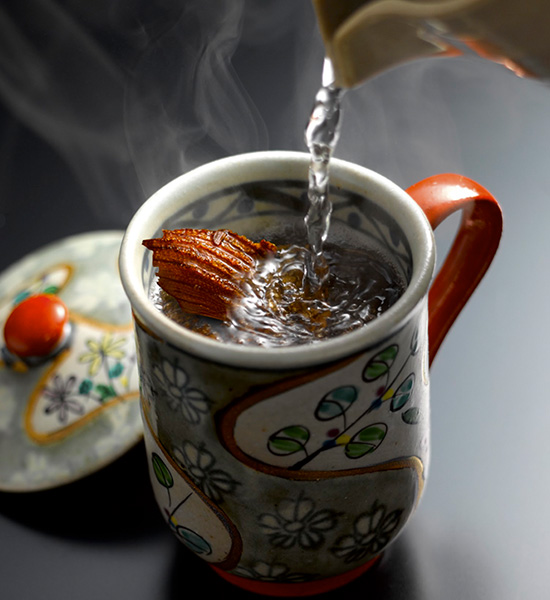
x: 473, y: 249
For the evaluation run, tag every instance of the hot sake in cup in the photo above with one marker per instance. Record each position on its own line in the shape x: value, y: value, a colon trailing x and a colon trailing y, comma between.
x: 290, y: 469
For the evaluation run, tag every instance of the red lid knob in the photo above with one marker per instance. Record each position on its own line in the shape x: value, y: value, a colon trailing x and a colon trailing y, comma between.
x: 35, y: 326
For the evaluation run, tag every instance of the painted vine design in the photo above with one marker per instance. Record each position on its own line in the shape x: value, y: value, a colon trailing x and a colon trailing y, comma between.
x: 294, y: 439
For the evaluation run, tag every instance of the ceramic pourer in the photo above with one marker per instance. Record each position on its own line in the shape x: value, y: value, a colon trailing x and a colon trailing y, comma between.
x: 366, y: 37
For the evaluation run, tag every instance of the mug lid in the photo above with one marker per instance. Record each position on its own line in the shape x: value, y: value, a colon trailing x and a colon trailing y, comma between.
x: 69, y: 392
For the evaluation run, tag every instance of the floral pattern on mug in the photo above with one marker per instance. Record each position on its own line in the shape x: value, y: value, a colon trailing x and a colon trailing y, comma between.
x: 174, y: 381
x: 298, y: 523
x: 273, y: 573
x: 372, y: 531
x: 200, y: 464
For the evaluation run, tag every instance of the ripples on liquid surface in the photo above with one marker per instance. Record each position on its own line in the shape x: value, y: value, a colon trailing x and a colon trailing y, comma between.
x: 312, y: 292
x: 279, y: 308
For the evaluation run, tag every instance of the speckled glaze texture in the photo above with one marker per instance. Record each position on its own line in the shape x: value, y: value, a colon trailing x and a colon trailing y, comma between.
x: 287, y: 475
x: 69, y: 414
x: 288, y: 469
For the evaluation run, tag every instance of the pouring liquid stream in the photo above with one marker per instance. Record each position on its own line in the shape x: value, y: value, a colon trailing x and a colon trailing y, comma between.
x: 318, y: 290
x: 312, y: 290
x: 321, y: 136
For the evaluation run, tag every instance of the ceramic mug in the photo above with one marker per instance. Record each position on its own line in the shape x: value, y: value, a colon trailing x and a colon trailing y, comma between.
x: 291, y: 469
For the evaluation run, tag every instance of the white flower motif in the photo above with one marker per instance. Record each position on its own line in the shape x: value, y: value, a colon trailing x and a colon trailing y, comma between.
x: 372, y: 531
x: 200, y: 464
x: 272, y: 573
x: 297, y: 522
x: 148, y: 396
x: 174, y: 381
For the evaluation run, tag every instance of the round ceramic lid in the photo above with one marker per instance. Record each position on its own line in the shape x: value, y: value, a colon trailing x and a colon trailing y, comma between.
x: 69, y: 391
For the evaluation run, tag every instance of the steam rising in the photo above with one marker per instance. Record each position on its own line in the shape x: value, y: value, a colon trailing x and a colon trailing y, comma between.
x: 186, y: 85
x: 134, y: 93
x: 63, y: 85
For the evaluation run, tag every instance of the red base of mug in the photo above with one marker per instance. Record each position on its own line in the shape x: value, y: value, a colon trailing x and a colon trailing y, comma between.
x: 308, y: 588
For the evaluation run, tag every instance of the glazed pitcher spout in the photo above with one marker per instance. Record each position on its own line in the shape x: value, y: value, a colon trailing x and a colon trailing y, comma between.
x: 366, y: 37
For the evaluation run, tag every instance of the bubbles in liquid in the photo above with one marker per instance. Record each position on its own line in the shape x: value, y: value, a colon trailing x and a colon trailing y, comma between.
x: 311, y: 292
x: 280, y: 308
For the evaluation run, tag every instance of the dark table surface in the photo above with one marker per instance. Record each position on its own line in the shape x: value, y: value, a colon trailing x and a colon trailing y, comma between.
x: 103, y: 102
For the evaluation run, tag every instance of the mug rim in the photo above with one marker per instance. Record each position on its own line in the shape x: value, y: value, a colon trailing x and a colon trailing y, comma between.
x: 275, y: 164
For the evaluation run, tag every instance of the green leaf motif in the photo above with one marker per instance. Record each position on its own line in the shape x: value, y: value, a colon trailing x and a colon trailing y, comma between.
x: 288, y: 440
x: 412, y: 416
x: 366, y: 441
x: 162, y: 473
x: 105, y: 391
x: 402, y: 394
x: 21, y: 296
x: 116, y: 370
x: 85, y: 387
x: 51, y: 289
x: 336, y: 403
x: 380, y: 364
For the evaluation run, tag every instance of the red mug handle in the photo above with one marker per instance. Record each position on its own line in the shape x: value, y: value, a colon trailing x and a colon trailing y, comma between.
x: 473, y: 249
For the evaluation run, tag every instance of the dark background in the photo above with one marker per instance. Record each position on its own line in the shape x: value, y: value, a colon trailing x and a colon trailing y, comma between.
x: 102, y: 102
